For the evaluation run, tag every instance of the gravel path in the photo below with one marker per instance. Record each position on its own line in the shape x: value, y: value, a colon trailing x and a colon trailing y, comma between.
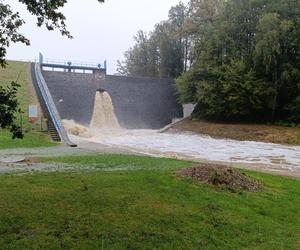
x: 82, y: 149
x: 12, y: 161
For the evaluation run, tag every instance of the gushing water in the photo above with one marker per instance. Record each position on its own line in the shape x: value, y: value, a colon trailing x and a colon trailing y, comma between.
x: 76, y: 129
x: 104, y: 115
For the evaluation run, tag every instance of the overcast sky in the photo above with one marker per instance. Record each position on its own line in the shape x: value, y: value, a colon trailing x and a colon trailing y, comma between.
x: 101, y: 31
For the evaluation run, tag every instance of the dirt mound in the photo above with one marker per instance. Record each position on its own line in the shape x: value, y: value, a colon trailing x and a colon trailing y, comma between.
x: 32, y: 160
x: 218, y: 175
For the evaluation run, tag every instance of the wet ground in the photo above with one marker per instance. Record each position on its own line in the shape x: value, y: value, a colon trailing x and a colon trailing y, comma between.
x: 17, y: 161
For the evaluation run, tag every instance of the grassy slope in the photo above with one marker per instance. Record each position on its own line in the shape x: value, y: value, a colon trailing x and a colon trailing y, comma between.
x: 142, y: 209
x: 32, y: 139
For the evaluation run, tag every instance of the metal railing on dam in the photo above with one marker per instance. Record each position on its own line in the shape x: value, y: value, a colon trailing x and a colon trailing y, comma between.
x: 50, y: 105
x: 77, y: 64
x: 71, y: 65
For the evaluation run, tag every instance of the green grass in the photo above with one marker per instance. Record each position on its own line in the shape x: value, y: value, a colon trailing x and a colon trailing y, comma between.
x: 144, y: 207
x: 31, y: 140
x: 13, y: 72
x: 17, y: 71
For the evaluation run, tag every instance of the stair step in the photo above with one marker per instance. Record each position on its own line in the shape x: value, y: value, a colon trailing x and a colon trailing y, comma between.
x: 53, y: 132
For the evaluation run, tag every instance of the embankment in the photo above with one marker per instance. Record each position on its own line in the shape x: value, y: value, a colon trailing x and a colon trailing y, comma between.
x: 242, y: 132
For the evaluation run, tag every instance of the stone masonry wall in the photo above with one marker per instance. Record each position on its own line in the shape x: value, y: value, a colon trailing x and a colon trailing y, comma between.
x: 139, y: 102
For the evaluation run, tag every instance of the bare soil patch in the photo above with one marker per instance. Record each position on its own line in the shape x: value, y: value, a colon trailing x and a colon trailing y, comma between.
x: 32, y: 160
x: 221, y: 176
x: 242, y: 132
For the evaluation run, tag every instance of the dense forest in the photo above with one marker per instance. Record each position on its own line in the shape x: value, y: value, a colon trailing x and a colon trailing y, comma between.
x: 238, y: 60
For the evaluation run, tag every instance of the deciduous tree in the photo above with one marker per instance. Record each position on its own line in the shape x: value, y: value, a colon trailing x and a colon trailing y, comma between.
x: 247, y: 59
x: 164, y: 52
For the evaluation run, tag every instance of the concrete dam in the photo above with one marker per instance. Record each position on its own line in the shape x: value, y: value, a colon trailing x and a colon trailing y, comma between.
x: 139, y: 102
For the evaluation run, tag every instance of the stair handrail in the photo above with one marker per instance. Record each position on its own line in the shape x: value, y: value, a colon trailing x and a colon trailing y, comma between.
x: 51, y: 107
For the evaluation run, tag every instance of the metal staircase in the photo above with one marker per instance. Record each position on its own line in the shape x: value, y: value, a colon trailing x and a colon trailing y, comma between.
x: 55, y: 127
x: 52, y: 132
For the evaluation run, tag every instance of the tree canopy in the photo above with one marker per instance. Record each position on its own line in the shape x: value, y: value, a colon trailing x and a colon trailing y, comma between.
x: 238, y: 60
x: 163, y: 52
x: 247, y: 61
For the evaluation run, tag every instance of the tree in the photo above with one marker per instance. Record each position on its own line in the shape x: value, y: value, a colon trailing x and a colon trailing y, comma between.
x: 246, y: 60
x: 48, y: 14
x: 268, y: 50
x: 161, y: 53
x: 273, y: 57
x: 140, y: 60
x: 8, y: 108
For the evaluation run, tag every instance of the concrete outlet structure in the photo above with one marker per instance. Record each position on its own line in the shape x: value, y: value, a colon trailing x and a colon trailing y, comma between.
x: 139, y: 102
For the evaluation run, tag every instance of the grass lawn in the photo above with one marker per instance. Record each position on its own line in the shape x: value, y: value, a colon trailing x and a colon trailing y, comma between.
x: 13, y: 72
x: 139, y: 203
x: 31, y: 140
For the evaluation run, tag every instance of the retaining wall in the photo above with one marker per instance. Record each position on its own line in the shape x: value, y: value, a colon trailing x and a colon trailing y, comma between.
x: 139, y: 102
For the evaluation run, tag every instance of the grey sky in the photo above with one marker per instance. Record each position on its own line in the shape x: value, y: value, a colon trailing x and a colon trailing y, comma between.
x: 101, y: 31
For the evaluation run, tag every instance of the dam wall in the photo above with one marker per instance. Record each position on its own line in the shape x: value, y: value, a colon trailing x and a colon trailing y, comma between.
x: 139, y: 102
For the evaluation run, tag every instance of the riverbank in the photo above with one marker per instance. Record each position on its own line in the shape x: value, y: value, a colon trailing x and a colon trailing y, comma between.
x: 242, y: 132
x: 33, y: 137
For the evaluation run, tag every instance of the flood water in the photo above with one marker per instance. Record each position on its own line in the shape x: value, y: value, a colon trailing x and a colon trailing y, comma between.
x: 105, y: 130
x: 188, y: 145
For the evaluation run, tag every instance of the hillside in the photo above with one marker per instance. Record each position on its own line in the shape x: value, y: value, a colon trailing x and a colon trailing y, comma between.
x: 19, y: 71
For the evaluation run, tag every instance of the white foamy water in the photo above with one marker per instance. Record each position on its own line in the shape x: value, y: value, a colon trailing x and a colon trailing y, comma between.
x: 73, y: 128
x: 201, y: 147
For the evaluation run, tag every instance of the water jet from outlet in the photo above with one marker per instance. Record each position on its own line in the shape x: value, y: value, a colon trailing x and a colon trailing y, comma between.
x: 104, y: 117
